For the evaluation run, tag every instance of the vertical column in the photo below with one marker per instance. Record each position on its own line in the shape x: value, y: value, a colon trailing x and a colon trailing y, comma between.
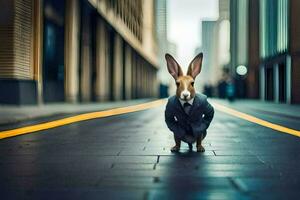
x: 133, y: 73
x: 102, y: 73
x: 37, y: 47
x: 155, y: 83
x: 152, y: 89
x: 253, y: 53
x: 145, y: 80
x: 276, y: 82
x: 150, y: 81
x: 138, y: 77
x: 141, y: 81
x: 109, y: 54
x: 289, y: 80
x: 85, y: 63
x: 128, y: 73
x: 293, y: 61
x: 117, y: 69
x: 72, y: 50
x: 144, y: 77
x: 262, y: 83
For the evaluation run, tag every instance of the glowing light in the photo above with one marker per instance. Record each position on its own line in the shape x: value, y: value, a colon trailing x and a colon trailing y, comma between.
x: 241, y: 70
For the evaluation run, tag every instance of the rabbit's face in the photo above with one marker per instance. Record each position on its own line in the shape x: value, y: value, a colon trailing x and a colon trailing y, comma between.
x: 185, y: 88
x: 185, y: 83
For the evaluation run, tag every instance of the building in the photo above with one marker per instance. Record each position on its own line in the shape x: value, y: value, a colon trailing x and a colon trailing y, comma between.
x: 79, y: 50
x: 210, y: 44
x: 239, y: 43
x: 161, y: 33
x: 279, y: 51
x: 268, y: 34
x: 215, y: 46
x: 164, y: 46
x: 252, y: 79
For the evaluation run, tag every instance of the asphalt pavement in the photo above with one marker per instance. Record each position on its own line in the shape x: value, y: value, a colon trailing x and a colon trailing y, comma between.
x: 128, y: 157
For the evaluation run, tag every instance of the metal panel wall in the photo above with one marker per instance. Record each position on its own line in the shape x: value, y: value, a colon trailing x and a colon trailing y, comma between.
x: 16, y: 38
x: 273, y: 27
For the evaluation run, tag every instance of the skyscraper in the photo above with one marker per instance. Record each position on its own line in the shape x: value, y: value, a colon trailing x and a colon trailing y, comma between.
x: 265, y: 38
x: 215, y: 46
x: 164, y: 45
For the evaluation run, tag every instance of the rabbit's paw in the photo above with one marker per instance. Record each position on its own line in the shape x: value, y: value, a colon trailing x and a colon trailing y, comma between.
x: 200, y: 148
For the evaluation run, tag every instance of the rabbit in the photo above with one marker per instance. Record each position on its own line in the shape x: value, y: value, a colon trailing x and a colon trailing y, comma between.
x: 188, y: 114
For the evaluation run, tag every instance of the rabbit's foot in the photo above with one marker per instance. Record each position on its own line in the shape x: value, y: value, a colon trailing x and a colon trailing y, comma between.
x: 200, y: 148
x: 176, y: 148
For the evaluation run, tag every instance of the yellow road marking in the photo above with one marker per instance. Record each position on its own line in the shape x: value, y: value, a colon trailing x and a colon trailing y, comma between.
x: 256, y: 120
x: 134, y: 108
x: 78, y: 118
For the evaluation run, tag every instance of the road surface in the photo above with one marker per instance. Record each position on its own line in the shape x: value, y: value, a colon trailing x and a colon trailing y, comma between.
x: 128, y: 157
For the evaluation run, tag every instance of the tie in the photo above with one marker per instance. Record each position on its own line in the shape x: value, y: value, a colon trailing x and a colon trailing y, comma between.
x: 187, y: 108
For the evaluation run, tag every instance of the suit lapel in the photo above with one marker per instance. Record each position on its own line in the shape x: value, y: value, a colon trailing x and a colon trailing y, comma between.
x: 195, y: 104
x: 179, y: 106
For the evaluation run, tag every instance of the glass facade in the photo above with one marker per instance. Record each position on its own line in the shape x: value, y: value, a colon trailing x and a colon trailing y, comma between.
x: 274, y: 16
x: 242, y: 29
x: 53, y: 52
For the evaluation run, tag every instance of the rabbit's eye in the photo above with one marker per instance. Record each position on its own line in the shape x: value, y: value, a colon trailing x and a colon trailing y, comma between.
x: 177, y: 84
x: 192, y: 83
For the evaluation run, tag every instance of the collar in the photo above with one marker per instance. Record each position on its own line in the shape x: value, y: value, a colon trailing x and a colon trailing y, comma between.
x: 191, y: 101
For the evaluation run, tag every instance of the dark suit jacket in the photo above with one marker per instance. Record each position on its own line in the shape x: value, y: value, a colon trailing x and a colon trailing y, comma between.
x: 198, y: 119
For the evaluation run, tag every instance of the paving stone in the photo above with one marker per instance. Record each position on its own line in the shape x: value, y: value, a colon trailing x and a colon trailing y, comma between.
x: 210, y: 159
x: 232, y: 152
x: 136, y: 159
x: 215, y: 167
x: 185, y: 194
x: 271, y: 184
x: 131, y: 166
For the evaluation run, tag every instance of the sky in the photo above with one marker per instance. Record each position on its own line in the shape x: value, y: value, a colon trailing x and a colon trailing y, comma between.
x: 184, y: 25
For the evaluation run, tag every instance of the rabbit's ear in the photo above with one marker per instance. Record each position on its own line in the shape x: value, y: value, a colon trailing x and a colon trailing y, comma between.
x: 173, y: 67
x: 195, y: 66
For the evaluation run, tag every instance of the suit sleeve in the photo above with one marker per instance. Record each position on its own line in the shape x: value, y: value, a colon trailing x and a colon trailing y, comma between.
x: 208, y: 113
x: 170, y: 121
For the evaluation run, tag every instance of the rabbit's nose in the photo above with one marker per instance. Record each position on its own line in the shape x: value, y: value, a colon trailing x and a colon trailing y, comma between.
x: 185, y: 93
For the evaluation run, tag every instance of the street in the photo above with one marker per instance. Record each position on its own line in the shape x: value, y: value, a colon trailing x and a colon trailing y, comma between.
x: 128, y: 157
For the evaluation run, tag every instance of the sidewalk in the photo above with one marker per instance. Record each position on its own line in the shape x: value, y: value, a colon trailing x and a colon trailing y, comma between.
x: 15, y: 114
x: 258, y: 106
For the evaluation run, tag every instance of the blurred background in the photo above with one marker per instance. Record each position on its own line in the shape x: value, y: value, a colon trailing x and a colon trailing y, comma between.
x: 111, y: 50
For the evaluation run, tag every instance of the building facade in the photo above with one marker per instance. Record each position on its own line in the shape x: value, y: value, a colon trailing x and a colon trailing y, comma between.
x: 161, y: 33
x: 272, y: 47
x: 77, y: 50
x: 164, y: 46
x: 210, y: 45
x: 215, y: 46
x: 276, y: 52
x: 239, y: 31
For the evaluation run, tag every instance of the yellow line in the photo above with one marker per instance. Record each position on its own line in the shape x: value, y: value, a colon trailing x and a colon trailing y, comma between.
x: 78, y: 118
x: 134, y: 108
x: 256, y: 120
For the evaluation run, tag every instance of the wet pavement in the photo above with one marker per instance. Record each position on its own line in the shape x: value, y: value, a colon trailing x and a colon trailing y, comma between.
x: 128, y: 157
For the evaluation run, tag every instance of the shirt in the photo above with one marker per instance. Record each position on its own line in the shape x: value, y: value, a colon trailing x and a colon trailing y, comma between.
x: 187, y: 105
x: 191, y: 101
